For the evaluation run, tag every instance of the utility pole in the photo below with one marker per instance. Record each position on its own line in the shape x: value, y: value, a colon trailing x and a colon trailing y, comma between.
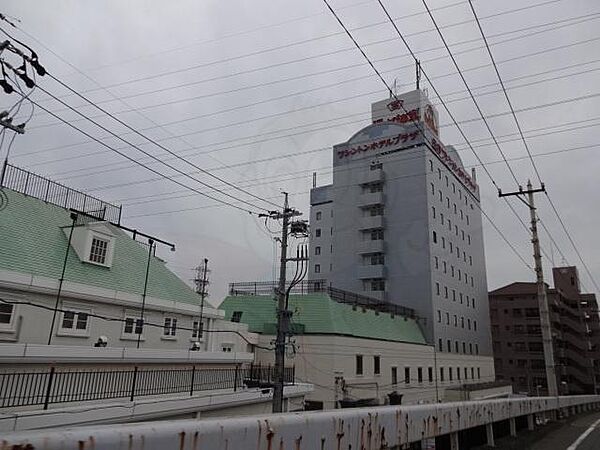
x: 283, y: 314
x: 201, y: 282
x: 541, y: 286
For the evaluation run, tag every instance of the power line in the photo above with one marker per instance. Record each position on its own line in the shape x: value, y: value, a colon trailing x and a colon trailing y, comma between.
x: 187, y: 98
x: 162, y: 175
x: 514, y: 115
x: 145, y: 137
x: 345, y: 98
x: 286, y: 46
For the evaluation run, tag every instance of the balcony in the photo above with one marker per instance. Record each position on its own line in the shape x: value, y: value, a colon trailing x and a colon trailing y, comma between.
x: 366, y: 247
x: 370, y: 199
x: 371, y: 176
x: 374, y: 271
x: 371, y: 222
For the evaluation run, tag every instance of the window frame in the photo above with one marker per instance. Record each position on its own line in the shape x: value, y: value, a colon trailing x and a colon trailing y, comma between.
x: 169, y: 332
x: 74, y: 331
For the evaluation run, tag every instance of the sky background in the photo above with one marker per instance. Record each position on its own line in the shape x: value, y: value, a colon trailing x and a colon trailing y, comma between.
x: 228, y: 85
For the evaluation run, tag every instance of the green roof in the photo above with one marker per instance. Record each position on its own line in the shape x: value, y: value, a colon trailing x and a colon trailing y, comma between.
x: 319, y: 314
x: 32, y: 242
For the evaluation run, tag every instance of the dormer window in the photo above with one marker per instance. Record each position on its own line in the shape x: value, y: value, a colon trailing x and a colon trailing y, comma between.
x: 94, y: 243
x: 98, y: 250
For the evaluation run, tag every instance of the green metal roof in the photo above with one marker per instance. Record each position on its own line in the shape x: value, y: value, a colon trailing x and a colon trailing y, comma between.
x: 33, y: 242
x: 319, y: 314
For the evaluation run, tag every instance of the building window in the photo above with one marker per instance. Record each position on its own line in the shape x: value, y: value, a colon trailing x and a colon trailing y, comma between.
x: 170, y: 326
x: 474, y: 325
x: 6, y: 313
x: 227, y: 348
x: 439, y: 314
x: 443, y: 242
x: 407, y: 375
x: 196, y: 329
x: 359, y: 364
x: 318, y: 232
x: 236, y: 316
x: 472, y: 373
x: 430, y: 374
x: 394, y: 375
x: 441, y: 374
x: 433, y: 211
x: 456, y: 346
x: 470, y: 348
x: 317, y: 268
x: 445, y: 267
x: 437, y: 262
x: 431, y: 165
x: 479, y: 373
x: 458, y: 373
x: 432, y: 189
x: 377, y: 259
x: 439, y: 174
x: 464, y: 346
x: 453, y: 295
x: 378, y: 285
x: 420, y: 374
x: 455, y: 320
x: 317, y: 250
x: 318, y: 216
x: 442, y: 218
x: 476, y: 348
x: 440, y: 345
x: 468, y: 324
x: 449, y: 345
x: 445, y: 291
x: 434, y: 237
x: 466, y: 374
x: 75, y: 323
x: 449, y: 373
x: 98, y: 250
x: 437, y: 288
x: 132, y: 325
x: 441, y: 197
x: 448, y: 319
x: 377, y: 235
x: 377, y: 365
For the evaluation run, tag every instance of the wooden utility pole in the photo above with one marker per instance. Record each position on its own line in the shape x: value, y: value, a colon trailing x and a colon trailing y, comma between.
x: 541, y: 286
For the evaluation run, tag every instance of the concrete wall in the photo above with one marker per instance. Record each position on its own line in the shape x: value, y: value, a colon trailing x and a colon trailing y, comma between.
x: 321, y: 358
x: 32, y: 324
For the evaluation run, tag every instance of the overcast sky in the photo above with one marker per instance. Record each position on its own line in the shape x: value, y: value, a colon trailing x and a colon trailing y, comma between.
x: 234, y: 83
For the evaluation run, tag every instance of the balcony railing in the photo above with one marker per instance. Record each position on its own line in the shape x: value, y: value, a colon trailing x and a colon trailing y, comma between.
x: 33, y: 185
x: 27, y: 388
x: 320, y: 286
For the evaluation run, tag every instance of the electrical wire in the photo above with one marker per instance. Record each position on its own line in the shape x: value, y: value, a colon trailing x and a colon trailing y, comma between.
x: 525, y: 144
x: 121, y: 320
x: 162, y: 175
x: 145, y: 137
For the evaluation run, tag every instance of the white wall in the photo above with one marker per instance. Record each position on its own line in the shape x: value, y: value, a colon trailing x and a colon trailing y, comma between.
x: 320, y: 358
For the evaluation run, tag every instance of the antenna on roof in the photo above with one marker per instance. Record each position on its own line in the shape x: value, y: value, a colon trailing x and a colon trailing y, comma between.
x: 418, y: 72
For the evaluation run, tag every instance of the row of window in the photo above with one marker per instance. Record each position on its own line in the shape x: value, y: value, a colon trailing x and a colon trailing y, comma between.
x: 462, y: 197
x: 469, y: 301
x: 318, y: 249
x: 408, y: 379
x: 457, y: 212
x: 319, y: 214
x: 446, y: 221
x: 470, y: 349
x: 519, y: 346
x: 452, y: 248
x: 469, y: 325
x: 318, y: 268
x: 458, y: 272
x: 77, y: 323
x: 318, y: 232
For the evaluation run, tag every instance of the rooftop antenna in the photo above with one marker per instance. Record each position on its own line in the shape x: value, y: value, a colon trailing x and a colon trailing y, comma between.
x: 314, y: 179
x: 418, y: 73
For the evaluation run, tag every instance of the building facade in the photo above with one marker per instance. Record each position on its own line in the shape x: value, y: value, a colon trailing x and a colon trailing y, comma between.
x: 94, y: 327
x: 401, y: 222
x: 517, y: 338
x: 355, y: 352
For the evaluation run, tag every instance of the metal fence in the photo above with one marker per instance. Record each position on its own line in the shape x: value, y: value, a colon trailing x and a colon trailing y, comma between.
x: 34, y: 185
x: 320, y: 286
x: 61, y: 386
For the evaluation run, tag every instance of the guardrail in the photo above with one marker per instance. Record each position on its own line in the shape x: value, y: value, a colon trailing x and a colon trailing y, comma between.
x: 62, y: 386
x: 380, y: 428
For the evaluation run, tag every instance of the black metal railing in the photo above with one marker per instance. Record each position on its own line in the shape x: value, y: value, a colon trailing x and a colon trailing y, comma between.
x: 33, y: 185
x: 63, y: 385
x: 320, y: 286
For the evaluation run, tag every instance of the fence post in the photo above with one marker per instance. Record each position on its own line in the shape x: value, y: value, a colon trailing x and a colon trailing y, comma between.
x: 135, y: 371
x: 49, y: 388
x: 193, y: 375
x: 235, y: 378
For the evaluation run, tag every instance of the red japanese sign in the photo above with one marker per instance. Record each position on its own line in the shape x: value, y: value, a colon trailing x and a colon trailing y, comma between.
x: 401, y: 138
x: 462, y: 175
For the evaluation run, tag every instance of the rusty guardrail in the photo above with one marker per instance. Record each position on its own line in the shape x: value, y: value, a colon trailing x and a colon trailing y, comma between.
x: 373, y: 428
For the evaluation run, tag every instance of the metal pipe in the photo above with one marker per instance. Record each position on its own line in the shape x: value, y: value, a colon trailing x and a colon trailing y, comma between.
x: 62, y: 277
x: 141, y: 329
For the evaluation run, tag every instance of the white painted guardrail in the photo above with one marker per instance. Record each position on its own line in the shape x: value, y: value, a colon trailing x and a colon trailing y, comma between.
x: 362, y: 428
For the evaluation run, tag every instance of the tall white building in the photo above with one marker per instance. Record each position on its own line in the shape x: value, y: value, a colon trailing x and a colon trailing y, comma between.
x: 402, y: 223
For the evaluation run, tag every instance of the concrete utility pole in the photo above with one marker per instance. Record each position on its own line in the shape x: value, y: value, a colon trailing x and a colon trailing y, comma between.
x: 541, y: 287
x: 283, y: 314
x: 201, y: 282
